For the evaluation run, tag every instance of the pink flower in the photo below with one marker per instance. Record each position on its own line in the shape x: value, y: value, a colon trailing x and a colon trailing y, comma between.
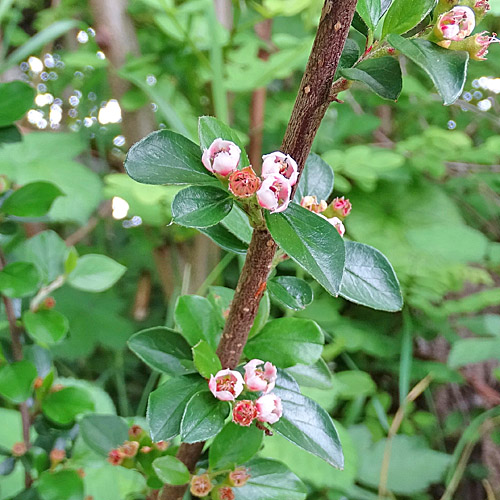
x: 456, y: 24
x: 238, y: 477
x: 280, y: 163
x: 258, y: 379
x: 201, y: 485
x: 269, y: 408
x: 341, y: 207
x: 338, y: 225
x: 482, y: 42
x: 244, y: 183
x: 244, y: 412
x: 274, y: 193
x: 222, y: 157
x: 227, y: 385
x: 311, y: 203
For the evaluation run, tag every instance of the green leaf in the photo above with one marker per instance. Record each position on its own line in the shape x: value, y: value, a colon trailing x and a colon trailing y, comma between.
x: 164, y: 157
x: 10, y: 134
x: 206, y: 361
x: 352, y: 384
x: 312, y: 242
x: 162, y: 349
x: 271, y: 480
x: 197, y: 319
x: 446, y: 68
x: 46, y: 327
x: 369, y: 279
x: 210, y: 128
x: 225, y: 239
x: 291, y: 292
x: 201, y: 206
x: 307, y: 425
x: 171, y: 470
x: 317, y: 375
x: 286, y: 342
x: 15, y: 100
x: 16, y: 381
x: 62, y: 407
x: 467, y: 351
x: 234, y: 445
x: 19, y: 279
x: 167, y: 404
x: 382, y: 75
x: 370, y: 12
x: 65, y: 484
x: 103, y: 433
x: 403, y: 15
x: 237, y: 223
x: 7, y: 466
x: 316, y: 179
x: 203, y: 417
x: 349, y: 56
x: 31, y: 200
x: 95, y: 273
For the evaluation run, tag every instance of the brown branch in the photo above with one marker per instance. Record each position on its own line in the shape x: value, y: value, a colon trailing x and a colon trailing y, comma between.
x: 310, y: 107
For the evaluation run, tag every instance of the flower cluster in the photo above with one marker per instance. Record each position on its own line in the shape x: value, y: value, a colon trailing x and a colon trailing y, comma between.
x: 334, y: 213
x: 201, y: 484
x: 272, y: 190
x: 260, y: 376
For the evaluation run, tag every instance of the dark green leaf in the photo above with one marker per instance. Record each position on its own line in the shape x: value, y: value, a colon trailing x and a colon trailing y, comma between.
x: 31, y: 200
x: 164, y: 157
x: 316, y: 179
x: 65, y: 484
x: 103, y: 433
x: 62, y: 407
x: 19, y: 279
x: 225, y: 239
x: 317, y: 375
x: 10, y: 134
x: 162, y: 349
x: 382, y: 75
x: 370, y: 11
x: 95, y: 273
x: 291, y: 292
x: 15, y: 100
x: 446, y: 68
x: 403, y: 15
x: 7, y: 466
x: 359, y: 25
x: 203, y: 417
x: 16, y: 381
x: 349, y: 56
x: 167, y: 403
x: 205, y: 360
x: 307, y: 425
x: 369, y: 279
x: 201, y: 206
x: 286, y: 342
x: 171, y: 470
x: 270, y: 480
x: 234, y: 445
x: 237, y: 223
x: 312, y: 242
x: 46, y: 327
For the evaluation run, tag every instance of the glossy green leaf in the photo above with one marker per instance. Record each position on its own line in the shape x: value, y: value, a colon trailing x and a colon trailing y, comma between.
x: 201, y: 206
x: 291, y: 292
x: 349, y: 56
x: 167, y: 404
x: 103, y: 433
x: 16, y: 98
x: 205, y: 360
x: 446, y: 68
x: 16, y: 381
x: 237, y: 223
x: 312, y: 242
x: 162, y: 349
x: 234, y: 445
x: 62, y: 407
x: 316, y: 179
x: 46, y: 327
x: 10, y: 134
x: 271, y: 480
x: 164, y: 157
x: 317, y: 375
x: 31, y: 200
x: 286, y: 342
x: 197, y: 319
x: 370, y: 11
x: 19, y: 279
x: 65, y: 484
x: 171, y: 470
x: 382, y: 75
x: 466, y: 351
x: 203, y: 417
x: 403, y: 15
x: 95, y: 273
x: 224, y: 238
x: 369, y: 279
x: 210, y: 128
x: 359, y: 25
x: 307, y: 424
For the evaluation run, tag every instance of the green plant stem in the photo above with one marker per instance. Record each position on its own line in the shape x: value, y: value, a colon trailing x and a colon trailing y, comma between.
x: 150, y: 385
x: 215, y: 272
x: 406, y: 358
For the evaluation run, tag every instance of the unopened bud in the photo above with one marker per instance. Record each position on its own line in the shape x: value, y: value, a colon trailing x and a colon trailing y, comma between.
x: 145, y: 449
x: 201, y: 485
x: 129, y: 449
x: 49, y: 303
x: 115, y: 457
x: 224, y: 493
x: 135, y: 432
x: 244, y: 183
x: 38, y: 383
x: 341, y: 207
x: 477, y: 46
x: 311, y: 203
x: 19, y: 449
x: 238, y: 477
x: 57, y: 456
x: 161, y: 445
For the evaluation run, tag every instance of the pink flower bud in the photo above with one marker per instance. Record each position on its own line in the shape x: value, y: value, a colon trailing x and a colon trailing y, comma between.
x: 135, y: 432
x: 337, y: 224
x: 115, y: 457
x: 225, y: 493
x: 244, y: 412
x: 279, y: 163
x: 201, y: 485
x: 238, y: 477
x: 146, y: 449
x: 129, y: 449
x: 244, y: 183
x: 258, y: 379
x: 222, y: 157
x: 341, y: 207
x: 57, y: 456
x: 161, y: 445
x: 274, y: 193
x: 269, y: 408
x: 456, y: 24
x: 19, y: 449
x: 481, y: 7
x: 226, y: 385
x: 311, y: 203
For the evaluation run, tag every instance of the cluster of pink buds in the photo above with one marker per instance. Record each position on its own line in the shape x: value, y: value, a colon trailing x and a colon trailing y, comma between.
x: 334, y: 213
x: 201, y: 484
x: 260, y: 376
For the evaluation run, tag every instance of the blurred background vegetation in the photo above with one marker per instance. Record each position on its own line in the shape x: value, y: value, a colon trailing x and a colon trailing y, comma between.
x: 423, y: 180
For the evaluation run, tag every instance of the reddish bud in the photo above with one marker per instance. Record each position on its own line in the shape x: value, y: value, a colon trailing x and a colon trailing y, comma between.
x: 49, y: 302
x: 341, y: 207
x: 57, y: 456
x: 244, y: 412
x: 145, y: 449
x: 19, y: 449
x: 238, y: 477
x: 225, y: 493
x: 244, y: 183
x: 115, y: 457
x: 135, y: 432
x: 129, y: 449
x: 38, y: 383
x: 311, y: 203
x: 161, y: 445
x: 201, y: 485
